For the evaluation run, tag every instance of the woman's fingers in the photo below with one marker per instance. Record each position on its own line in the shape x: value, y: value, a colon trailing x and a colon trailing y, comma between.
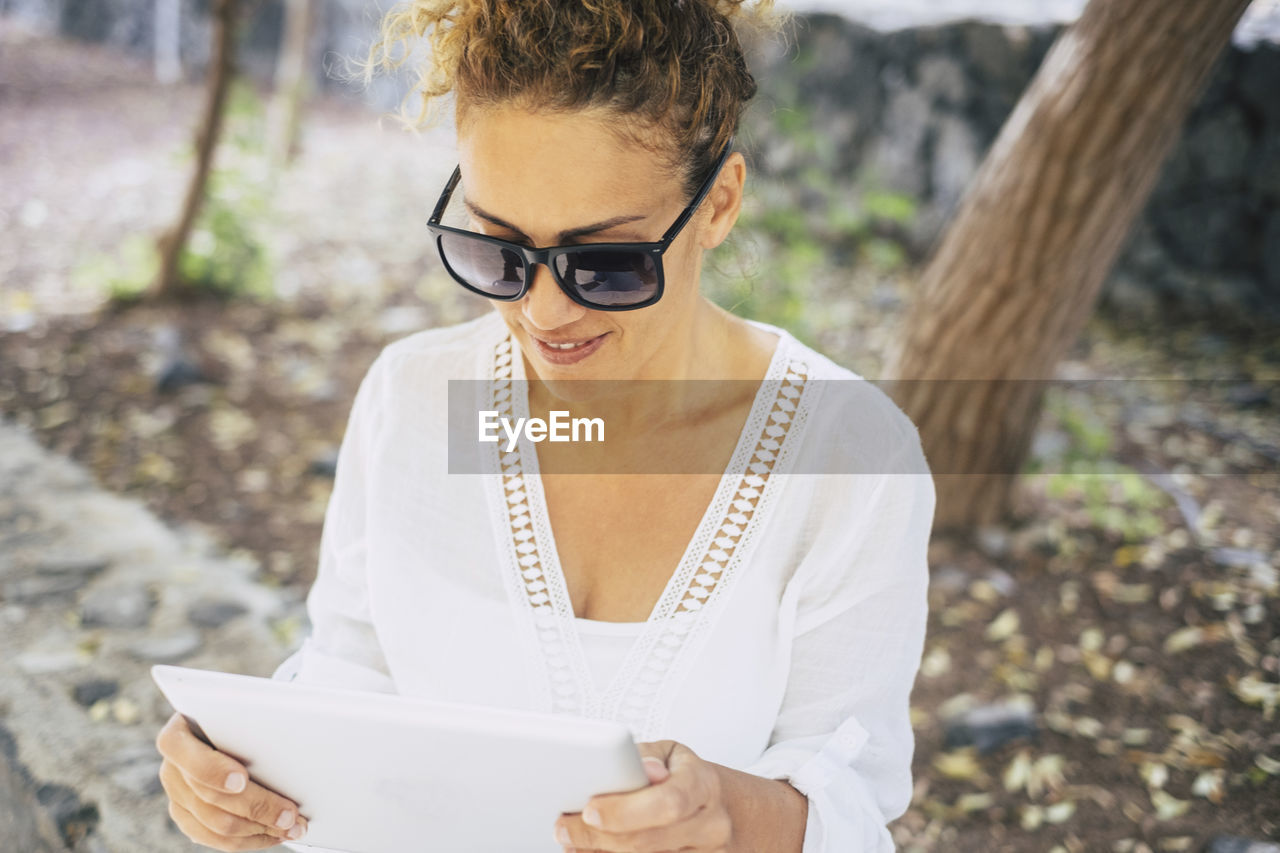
x: 226, y: 815
x: 197, y: 759
x: 265, y: 808
x: 203, y: 781
x: 194, y: 829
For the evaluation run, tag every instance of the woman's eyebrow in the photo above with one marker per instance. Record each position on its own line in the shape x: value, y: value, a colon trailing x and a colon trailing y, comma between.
x: 563, y: 236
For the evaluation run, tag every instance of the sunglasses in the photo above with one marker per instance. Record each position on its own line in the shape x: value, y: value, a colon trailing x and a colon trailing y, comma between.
x: 603, y: 276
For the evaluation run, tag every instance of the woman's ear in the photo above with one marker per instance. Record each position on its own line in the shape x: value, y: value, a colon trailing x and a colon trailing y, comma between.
x: 725, y: 200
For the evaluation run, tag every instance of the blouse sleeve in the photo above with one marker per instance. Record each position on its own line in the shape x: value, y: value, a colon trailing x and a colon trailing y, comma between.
x: 342, y: 649
x: 843, y: 734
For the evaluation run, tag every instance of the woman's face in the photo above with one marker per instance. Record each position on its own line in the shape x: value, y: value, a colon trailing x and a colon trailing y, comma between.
x: 544, y: 179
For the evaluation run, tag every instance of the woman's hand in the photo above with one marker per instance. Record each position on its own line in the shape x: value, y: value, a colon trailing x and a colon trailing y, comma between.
x: 683, y: 810
x: 213, y: 800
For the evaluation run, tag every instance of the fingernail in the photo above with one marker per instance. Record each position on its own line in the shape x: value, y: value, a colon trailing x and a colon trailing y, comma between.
x: 236, y: 782
x: 285, y: 820
x: 562, y: 835
x: 591, y: 816
x: 298, y: 831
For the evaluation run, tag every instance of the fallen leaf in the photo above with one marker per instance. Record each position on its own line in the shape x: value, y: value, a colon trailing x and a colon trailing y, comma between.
x: 1003, y: 625
x: 961, y: 764
x: 1209, y: 785
x: 1059, y: 812
x: 1154, y: 774
x: 1168, y: 806
x: 1018, y: 771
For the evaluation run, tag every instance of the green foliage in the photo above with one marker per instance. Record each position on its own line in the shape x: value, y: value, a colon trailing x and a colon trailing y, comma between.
x: 224, y: 254
x: 785, y: 300
x: 884, y: 255
x: 890, y: 206
x: 1090, y: 436
x: 1116, y: 498
x: 780, y: 252
x: 125, y: 276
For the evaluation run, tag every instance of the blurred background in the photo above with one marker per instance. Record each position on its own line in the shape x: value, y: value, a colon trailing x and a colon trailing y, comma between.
x: 1102, y: 670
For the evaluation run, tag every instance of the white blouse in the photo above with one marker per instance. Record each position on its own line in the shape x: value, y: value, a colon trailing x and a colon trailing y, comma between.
x: 785, y: 644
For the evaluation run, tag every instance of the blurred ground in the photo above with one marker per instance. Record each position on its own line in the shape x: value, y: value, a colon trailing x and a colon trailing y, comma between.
x: 1135, y: 614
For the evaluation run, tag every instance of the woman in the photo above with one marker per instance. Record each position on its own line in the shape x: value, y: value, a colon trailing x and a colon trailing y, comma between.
x: 757, y: 618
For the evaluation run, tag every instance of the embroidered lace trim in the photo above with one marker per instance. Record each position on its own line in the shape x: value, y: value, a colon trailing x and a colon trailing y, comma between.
x: 678, y: 627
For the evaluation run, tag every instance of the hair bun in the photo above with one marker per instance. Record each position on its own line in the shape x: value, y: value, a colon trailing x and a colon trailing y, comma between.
x: 677, y: 65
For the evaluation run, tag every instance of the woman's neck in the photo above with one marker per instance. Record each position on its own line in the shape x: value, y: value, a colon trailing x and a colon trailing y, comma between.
x: 715, y: 346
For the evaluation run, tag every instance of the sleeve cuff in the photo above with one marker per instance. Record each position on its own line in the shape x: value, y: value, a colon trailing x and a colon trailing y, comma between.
x: 842, y: 817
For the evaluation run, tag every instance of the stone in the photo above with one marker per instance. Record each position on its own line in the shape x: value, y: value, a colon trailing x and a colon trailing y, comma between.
x: 88, y: 692
x: 943, y: 80
x: 993, y: 540
x: 1001, y: 581
x: 1259, y: 81
x: 24, y: 826
x: 1205, y: 230
x: 142, y: 779
x: 1249, y: 395
x: 998, y: 56
x: 214, y: 613
x: 990, y: 726
x: 125, y: 711
x: 85, y: 567
x: 949, y: 579
x: 1233, y: 296
x: 1219, y: 145
x: 955, y: 161
x: 41, y: 589
x: 1241, y: 558
x: 894, y: 160
x: 178, y: 372
x: 117, y: 607
x: 325, y: 465
x: 75, y: 819
x: 50, y: 661
x: 168, y: 648
x: 1127, y: 296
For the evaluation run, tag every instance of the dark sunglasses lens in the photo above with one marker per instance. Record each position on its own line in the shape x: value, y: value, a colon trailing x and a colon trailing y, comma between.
x: 488, y: 268
x: 608, y: 277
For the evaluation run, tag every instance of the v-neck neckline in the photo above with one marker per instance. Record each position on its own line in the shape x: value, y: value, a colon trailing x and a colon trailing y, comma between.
x: 737, y: 462
x: 661, y: 646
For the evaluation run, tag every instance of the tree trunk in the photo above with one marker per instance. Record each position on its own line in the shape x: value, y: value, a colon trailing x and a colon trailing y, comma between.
x: 171, y: 242
x: 1016, y: 275
x: 292, y: 78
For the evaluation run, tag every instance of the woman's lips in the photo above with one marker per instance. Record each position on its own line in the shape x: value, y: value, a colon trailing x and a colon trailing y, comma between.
x: 553, y: 355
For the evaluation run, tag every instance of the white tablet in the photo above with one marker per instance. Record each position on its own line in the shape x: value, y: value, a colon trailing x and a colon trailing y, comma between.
x: 381, y: 773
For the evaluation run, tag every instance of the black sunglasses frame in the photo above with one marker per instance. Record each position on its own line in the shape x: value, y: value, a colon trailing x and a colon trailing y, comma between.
x: 545, y: 256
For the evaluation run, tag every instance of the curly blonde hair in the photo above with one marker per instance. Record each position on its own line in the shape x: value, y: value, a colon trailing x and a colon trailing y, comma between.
x: 672, y: 66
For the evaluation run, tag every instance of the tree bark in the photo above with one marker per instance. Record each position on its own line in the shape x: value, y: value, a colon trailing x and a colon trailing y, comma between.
x: 171, y: 242
x: 292, y: 80
x: 1016, y: 275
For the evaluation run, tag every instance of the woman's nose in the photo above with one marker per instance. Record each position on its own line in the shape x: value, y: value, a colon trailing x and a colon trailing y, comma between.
x: 545, y: 305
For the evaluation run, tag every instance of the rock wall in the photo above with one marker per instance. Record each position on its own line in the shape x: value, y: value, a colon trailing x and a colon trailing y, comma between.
x: 914, y: 111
